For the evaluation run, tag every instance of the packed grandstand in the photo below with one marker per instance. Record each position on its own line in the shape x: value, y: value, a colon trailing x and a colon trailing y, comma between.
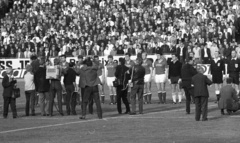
x: 115, y: 27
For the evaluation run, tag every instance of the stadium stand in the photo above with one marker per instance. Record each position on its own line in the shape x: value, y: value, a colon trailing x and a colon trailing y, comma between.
x: 104, y: 27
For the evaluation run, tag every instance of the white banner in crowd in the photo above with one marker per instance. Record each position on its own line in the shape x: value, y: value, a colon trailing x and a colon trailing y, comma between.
x: 19, y: 64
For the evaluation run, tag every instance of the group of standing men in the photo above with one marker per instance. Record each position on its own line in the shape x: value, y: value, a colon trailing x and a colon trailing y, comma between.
x: 133, y: 78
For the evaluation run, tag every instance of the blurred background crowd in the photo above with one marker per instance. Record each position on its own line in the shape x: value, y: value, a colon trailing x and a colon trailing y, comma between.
x: 114, y: 27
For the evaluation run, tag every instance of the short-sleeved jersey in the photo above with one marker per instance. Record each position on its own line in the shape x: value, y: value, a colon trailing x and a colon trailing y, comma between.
x: 147, y: 64
x: 160, y: 66
x: 99, y: 72
x: 111, y: 68
x: 129, y: 63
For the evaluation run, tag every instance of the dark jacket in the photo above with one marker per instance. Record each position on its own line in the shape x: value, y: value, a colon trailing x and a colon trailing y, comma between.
x: 188, y: 71
x: 174, y: 69
x: 200, y: 83
x: 228, y: 98
x: 81, y: 73
x: 121, y: 74
x: 217, y: 68
x: 69, y: 77
x: 91, y: 76
x: 137, y: 73
x: 208, y: 53
x: 42, y: 84
x: 7, y: 86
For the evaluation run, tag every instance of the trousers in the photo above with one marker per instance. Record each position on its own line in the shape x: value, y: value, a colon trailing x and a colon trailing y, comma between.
x: 70, y: 99
x: 188, y: 93
x: 91, y: 92
x: 122, y: 95
x: 12, y: 102
x: 44, y: 102
x: 30, y: 101
x: 137, y: 89
x: 201, y: 107
x: 55, y: 88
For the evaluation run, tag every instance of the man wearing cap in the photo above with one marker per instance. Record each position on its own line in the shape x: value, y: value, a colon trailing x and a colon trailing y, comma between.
x: 201, y: 94
x: 8, y: 84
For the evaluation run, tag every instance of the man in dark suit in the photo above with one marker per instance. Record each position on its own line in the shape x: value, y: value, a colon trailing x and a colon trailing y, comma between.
x: 8, y: 84
x: 91, y: 89
x: 201, y: 94
x: 188, y: 72
x: 70, y: 85
x: 228, y: 98
x: 137, y: 73
x: 181, y: 53
x: 122, y: 88
x: 42, y: 87
x: 205, y: 54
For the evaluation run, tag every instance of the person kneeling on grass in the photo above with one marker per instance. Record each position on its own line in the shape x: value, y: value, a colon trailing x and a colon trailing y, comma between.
x: 228, y: 98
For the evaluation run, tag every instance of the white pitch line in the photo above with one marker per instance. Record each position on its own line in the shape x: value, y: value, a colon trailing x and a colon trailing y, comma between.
x: 92, y: 120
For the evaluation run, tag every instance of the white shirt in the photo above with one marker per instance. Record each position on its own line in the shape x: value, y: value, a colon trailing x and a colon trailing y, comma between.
x: 29, y: 81
x: 205, y: 53
x: 196, y: 52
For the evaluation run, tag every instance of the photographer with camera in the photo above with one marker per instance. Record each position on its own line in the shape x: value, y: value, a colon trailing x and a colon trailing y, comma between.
x: 8, y: 84
x: 91, y: 87
x: 122, y: 87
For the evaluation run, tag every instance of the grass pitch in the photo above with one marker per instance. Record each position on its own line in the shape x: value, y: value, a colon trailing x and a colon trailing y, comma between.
x: 160, y: 123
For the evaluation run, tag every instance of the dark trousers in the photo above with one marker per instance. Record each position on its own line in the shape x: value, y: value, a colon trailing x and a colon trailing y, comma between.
x: 205, y: 61
x: 70, y: 99
x: 90, y: 104
x: 9, y: 101
x: 188, y: 93
x: 122, y: 95
x: 91, y: 93
x: 201, y: 107
x: 30, y: 101
x: 137, y: 90
x: 55, y: 88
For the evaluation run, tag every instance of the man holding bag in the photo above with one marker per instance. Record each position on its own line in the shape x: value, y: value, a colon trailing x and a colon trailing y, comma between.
x: 8, y: 84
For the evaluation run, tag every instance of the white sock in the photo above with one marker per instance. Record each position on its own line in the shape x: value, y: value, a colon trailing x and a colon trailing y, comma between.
x: 179, y: 96
x: 174, y: 97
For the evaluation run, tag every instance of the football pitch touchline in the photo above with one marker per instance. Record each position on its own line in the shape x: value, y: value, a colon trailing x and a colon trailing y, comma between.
x: 92, y: 120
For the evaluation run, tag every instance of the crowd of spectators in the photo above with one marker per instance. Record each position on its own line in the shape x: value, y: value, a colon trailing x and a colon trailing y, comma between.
x: 104, y: 27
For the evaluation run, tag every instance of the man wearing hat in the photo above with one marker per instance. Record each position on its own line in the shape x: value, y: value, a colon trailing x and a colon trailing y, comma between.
x: 8, y: 84
x: 201, y: 94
